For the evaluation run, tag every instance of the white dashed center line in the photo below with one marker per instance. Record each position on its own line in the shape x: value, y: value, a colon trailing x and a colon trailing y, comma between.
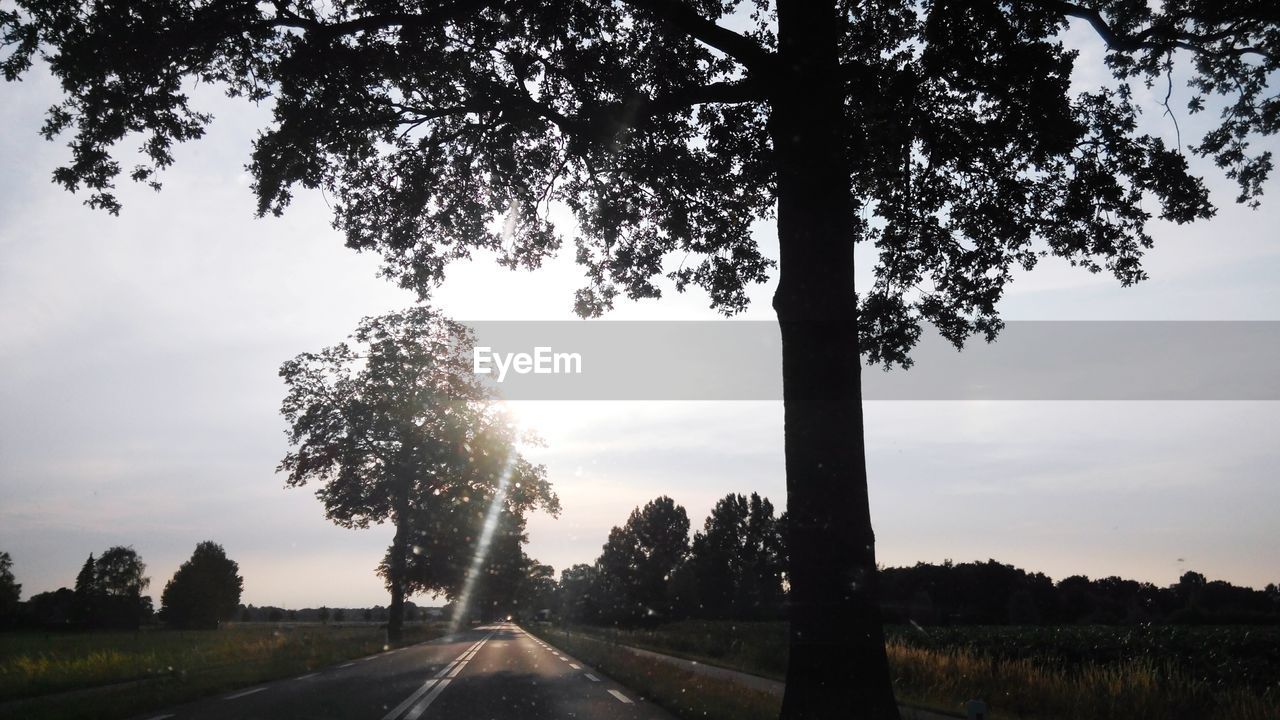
x: 246, y: 692
x: 592, y: 678
x: 621, y: 698
x: 575, y: 666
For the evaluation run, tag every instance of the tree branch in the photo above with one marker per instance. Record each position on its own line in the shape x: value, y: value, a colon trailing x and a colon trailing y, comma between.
x: 1151, y: 38
x: 684, y: 18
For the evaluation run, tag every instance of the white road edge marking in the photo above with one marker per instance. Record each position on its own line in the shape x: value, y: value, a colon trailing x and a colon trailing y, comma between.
x: 592, y: 678
x: 246, y: 692
x: 621, y: 698
x: 161, y: 717
x: 306, y: 677
x: 350, y: 664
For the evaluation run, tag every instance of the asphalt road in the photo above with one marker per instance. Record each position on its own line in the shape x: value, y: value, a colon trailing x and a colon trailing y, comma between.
x: 496, y: 672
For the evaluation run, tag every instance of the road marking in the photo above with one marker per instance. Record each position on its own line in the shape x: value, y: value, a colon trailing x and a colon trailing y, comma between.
x: 416, y: 711
x: 621, y: 698
x: 306, y: 677
x: 242, y: 694
x: 575, y: 667
x: 161, y: 717
x: 347, y: 665
x: 592, y: 678
x: 426, y: 686
x: 431, y: 689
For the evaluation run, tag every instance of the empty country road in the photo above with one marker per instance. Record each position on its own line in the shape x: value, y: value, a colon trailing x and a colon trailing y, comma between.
x: 495, y: 672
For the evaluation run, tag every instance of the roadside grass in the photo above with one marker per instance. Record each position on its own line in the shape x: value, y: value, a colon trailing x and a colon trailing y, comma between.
x: 109, y: 675
x: 680, y: 691
x: 1039, y: 685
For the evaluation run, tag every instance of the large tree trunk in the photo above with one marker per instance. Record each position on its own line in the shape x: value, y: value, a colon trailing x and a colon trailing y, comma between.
x: 397, y: 569
x: 838, y: 668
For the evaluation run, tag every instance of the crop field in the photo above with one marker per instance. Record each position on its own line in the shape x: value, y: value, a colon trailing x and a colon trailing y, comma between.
x: 1123, y: 672
x: 55, y: 674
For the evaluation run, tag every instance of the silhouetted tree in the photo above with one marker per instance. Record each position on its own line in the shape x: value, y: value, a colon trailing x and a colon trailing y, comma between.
x: 10, y: 591
x: 367, y: 614
x: 577, y: 594
x: 339, y: 615
x: 53, y: 610
x: 87, y: 595
x: 639, y: 557
x: 397, y: 427
x: 945, y: 135
x: 204, y: 591
x: 119, y: 579
x: 275, y: 614
x: 450, y: 525
x: 736, y: 560
x: 324, y: 614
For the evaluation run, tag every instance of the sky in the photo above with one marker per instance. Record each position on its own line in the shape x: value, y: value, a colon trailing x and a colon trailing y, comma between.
x: 139, y: 400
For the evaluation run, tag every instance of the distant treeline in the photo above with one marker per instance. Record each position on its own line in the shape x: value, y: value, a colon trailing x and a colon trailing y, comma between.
x: 377, y: 613
x: 107, y: 594
x: 649, y: 571
x: 992, y: 593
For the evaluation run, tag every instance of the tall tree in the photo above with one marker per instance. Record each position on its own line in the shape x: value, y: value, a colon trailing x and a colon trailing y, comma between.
x: 639, y: 557
x: 10, y: 591
x: 204, y: 591
x: 944, y: 135
x: 85, y: 606
x: 119, y: 579
x: 396, y: 427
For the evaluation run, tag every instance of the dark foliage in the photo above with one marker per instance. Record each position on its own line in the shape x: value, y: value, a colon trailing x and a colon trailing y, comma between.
x: 204, y: 591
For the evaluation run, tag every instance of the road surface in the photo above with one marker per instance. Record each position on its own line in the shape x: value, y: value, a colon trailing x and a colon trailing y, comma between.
x: 496, y: 672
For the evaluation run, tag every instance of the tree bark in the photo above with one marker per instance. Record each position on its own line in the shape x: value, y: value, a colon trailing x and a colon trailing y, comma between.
x: 838, y: 667
x: 396, y: 570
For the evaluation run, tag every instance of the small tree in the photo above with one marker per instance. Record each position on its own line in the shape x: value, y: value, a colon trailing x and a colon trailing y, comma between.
x: 324, y: 614
x: 204, y: 591
x: 10, y: 591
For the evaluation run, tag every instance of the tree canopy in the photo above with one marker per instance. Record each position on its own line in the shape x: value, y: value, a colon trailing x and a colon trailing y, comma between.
x: 396, y: 427
x: 639, y: 557
x: 649, y: 120
x: 204, y: 591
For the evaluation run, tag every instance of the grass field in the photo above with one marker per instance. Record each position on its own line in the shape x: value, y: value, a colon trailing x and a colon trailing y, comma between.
x: 102, y: 676
x: 1115, y: 673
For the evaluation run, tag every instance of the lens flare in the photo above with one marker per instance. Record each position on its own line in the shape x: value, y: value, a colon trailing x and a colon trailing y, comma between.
x: 482, y: 547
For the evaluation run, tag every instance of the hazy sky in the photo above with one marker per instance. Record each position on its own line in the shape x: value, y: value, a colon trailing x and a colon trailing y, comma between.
x: 139, y: 397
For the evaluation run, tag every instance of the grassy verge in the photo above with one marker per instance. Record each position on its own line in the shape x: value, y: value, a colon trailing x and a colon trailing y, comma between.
x: 684, y: 693
x: 105, y: 676
x: 1032, y: 686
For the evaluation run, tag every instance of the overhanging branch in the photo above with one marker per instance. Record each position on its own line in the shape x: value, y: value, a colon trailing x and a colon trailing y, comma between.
x: 1156, y: 39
